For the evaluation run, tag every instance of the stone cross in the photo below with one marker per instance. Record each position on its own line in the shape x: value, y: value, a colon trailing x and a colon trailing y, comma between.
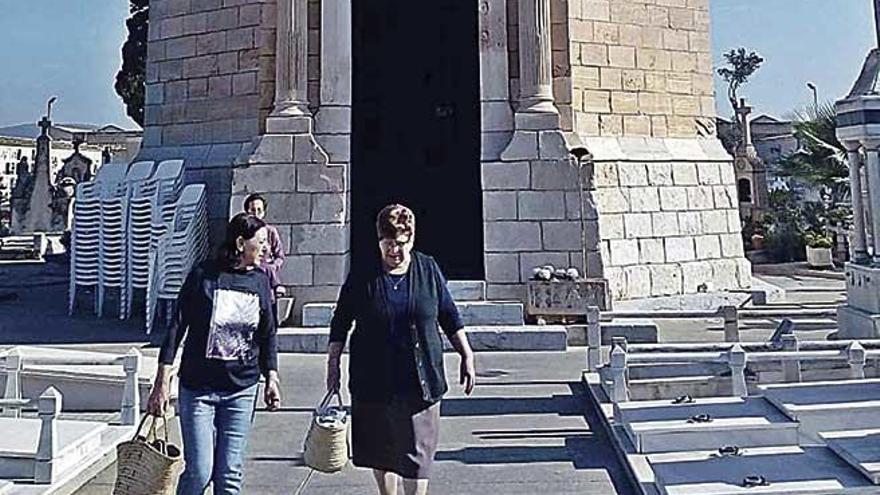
x: 45, y: 124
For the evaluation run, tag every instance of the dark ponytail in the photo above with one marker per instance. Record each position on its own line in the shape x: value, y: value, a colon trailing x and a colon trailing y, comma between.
x: 242, y: 225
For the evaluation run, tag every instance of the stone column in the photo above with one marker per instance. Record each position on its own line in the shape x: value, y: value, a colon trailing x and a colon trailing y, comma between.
x: 860, y: 245
x: 291, y: 69
x: 873, y: 174
x: 536, y: 109
x: 536, y: 121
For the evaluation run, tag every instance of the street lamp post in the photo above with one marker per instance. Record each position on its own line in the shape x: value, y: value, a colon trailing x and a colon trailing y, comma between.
x: 816, y: 95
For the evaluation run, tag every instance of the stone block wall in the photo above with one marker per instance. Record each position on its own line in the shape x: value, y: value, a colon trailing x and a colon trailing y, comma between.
x: 532, y: 218
x: 641, y: 68
x: 668, y: 217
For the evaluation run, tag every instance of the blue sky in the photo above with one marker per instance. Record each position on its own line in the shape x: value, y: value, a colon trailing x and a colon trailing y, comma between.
x: 70, y: 48
x: 823, y: 41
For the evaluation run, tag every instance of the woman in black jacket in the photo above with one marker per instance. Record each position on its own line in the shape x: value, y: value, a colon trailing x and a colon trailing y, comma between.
x: 225, y: 310
x: 396, y: 370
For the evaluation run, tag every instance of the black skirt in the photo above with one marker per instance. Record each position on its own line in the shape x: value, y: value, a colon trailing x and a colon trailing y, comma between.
x: 399, y: 436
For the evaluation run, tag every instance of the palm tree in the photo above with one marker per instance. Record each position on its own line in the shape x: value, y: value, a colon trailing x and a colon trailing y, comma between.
x: 820, y: 161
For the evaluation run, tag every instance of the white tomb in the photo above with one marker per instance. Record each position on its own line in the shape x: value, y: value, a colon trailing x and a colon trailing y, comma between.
x: 21, y: 438
x: 828, y: 406
x: 860, y: 448
x: 788, y: 470
x: 662, y: 426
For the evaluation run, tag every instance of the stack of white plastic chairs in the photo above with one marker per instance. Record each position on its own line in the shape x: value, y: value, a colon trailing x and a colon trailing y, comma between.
x: 146, y: 198
x: 182, y: 242
x: 86, y: 234
x: 113, y: 269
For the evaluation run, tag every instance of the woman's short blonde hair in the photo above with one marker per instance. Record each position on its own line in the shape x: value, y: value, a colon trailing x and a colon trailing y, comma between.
x: 395, y: 220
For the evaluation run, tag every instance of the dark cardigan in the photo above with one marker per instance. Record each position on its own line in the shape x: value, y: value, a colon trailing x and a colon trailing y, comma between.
x: 363, y: 301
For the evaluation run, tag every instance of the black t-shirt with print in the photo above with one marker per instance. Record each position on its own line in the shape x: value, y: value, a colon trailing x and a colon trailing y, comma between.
x: 229, y: 325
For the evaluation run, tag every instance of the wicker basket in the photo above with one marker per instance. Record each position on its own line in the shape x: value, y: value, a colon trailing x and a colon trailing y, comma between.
x: 147, y: 464
x: 326, y: 447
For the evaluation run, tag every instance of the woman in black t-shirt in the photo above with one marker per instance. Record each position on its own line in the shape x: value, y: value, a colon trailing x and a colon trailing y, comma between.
x: 225, y: 310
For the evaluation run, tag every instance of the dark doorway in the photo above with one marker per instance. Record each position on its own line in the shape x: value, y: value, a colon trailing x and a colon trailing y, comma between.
x: 416, y: 127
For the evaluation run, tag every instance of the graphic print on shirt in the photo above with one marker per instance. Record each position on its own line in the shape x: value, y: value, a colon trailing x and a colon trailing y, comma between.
x: 233, y: 322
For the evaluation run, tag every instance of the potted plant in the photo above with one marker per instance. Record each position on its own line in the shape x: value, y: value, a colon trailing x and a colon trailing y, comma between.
x: 819, y: 250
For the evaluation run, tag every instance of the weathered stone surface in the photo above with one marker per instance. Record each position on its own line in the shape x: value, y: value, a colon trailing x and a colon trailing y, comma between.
x: 665, y: 224
x: 319, y: 239
x: 673, y: 199
x: 273, y: 148
x: 320, y: 178
x: 708, y: 247
x: 499, y: 205
x: 651, y: 251
x: 512, y: 236
x: 624, y: 252
x: 264, y: 178
x: 724, y: 274
x: 700, y: 198
x: 612, y: 200
x: 660, y: 174
x: 684, y: 174
x: 727, y: 174
x: 690, y: 223
x: 541, y: 205
x: 616, y: 282
x: 708, y: 174
x: 330, y: 269
x: 553, y: 175
x: 502, y: 267
x: 644, y: 199
x: 637, y: 225
x: 633, y: 174
x: 297, y: 270
x: 638, y: 281
x: 734, y: 223
x: 605, y: 174
x: 611, y: 226
x: 696, y: 274
x: 679, y: 249
x: 723, y: 199
x: 665, y: 280
x: 328, y: 208
x: 523, y: 146
x: 731, y: 245
x: 714, y: 221
x: 287, y: 208
x: 562, y: 236
x: 503, y: 175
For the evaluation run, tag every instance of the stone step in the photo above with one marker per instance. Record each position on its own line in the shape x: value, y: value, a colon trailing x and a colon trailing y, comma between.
x: 860, y: 448
x: 828, y: 406
x: 18, y: 445
x: 473, y: 313
x: 788, y: 469
x: 467, y: 290
x: 481, y: 338
x: 661, y: 426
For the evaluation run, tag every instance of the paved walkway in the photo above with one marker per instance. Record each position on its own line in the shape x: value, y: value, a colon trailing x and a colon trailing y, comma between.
x: 524, y: 431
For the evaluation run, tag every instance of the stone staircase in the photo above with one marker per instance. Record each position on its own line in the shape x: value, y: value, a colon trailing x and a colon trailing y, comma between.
x: 491, y: 325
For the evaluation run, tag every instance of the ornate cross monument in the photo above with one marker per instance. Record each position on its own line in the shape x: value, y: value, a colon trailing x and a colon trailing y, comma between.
x: 858, y: 128
x: 35, y: 212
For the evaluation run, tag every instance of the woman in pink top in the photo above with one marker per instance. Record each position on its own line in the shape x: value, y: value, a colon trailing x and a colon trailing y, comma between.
x: 273, y: 256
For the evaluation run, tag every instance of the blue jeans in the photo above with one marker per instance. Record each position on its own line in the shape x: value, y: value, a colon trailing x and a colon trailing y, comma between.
x: 215, y: 427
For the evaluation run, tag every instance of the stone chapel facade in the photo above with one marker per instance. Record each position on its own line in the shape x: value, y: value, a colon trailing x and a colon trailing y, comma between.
x: 468, y: 114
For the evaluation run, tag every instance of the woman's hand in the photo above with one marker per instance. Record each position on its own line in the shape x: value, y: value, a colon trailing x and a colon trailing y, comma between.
x: 272, y: 392
x: 467, y: 373
x: 334, y: 373
x: 157, y: 404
